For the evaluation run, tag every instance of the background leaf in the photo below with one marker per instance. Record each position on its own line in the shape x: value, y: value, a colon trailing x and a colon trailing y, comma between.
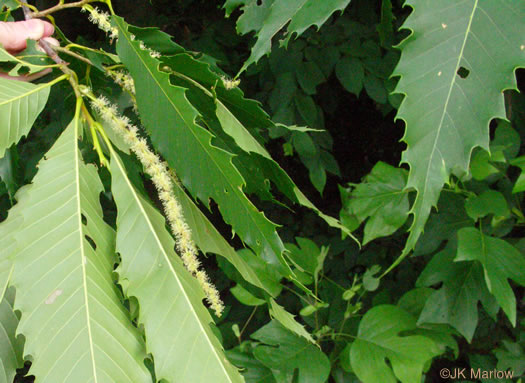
x: 284, y: 351
x: 378, y: 339
x: 350, y: 72
x: 253, y: 370
x: 456, y: 301
x: 501, y: 261
x: 488, y: 202
x: 380, y: 200
x: 301, y: 14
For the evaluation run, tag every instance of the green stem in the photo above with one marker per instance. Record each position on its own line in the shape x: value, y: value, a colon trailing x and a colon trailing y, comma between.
x: 73, y: 54
x: 95, y: 127
x: 58, y: 79
x: 246, y: 323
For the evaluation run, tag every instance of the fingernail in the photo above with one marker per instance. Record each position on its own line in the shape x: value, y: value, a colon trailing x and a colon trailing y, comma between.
x: 49, y: 29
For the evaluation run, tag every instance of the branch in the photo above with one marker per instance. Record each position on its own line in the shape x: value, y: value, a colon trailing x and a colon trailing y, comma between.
x: 61, y: 6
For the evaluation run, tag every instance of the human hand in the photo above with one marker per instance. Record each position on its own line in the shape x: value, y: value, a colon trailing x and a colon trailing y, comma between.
x: 13, y: 36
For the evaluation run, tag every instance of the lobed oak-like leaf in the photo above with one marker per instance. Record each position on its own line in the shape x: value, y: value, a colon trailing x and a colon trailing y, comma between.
x: 454, y: 66
x: 378, y: 340
x: 456, y: 301
x: 284, y: 352
x: 380, y: 200
x: 500, y: 260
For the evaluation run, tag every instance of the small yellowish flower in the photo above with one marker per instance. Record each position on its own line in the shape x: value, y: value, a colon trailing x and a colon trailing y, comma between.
x: 163, y: 180
x: 151, y: 52
x: 230, y: 84
x: 101, y: 19
x: 122, y: 79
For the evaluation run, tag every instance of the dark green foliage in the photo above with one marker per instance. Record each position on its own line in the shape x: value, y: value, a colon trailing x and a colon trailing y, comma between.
x: 260, y: 181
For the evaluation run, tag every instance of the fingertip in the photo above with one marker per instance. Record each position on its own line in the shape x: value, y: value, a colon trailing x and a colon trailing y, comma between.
x: 51, y: 41
x: 49, y: 29
x: 32, y: 29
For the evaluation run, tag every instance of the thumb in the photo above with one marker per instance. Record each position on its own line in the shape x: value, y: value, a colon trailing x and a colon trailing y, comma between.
x: 13, y: 35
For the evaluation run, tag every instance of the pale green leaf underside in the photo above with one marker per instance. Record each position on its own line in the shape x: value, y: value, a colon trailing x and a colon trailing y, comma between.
x: 10, y: 346
x: 378, y: 339
x: 446, y: 115
x: 176, y: 323
x: 8, y: 245
x: 19, y: 64
x: 8, y: 229
x: 75, y: 327
x: 205, y: 170
x: 300, y: 14
x: 20, y: 104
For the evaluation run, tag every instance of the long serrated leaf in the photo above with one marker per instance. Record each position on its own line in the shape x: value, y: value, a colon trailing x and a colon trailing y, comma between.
x: 239, y: 118
x: 8, y: 246
x: 453, y: 69
x: 177, y: 325
x: 20, y: 104
x: 10, y: 346
x: 204, y: 169
x: 75, y: 326
x: 209, y: 240
x: 300, y: 14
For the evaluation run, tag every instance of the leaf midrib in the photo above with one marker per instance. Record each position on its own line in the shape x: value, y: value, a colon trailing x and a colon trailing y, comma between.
x: 445, y: 106
x: 82, y: 250
x: 24, y: 95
